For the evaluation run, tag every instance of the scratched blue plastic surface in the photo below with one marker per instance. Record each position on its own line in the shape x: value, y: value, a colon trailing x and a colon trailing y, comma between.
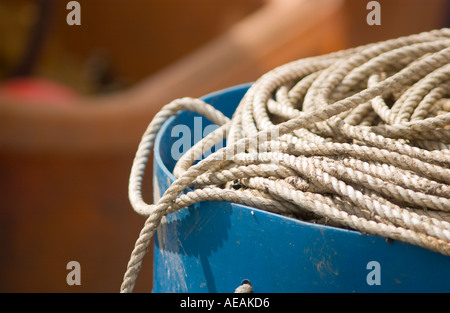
x: 213, y: 246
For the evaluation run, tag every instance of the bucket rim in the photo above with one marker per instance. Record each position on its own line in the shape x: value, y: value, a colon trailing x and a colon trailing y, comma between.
x: 166, y: 124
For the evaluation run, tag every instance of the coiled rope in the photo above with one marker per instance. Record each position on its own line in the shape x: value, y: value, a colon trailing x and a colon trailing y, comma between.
x: 357, y: 139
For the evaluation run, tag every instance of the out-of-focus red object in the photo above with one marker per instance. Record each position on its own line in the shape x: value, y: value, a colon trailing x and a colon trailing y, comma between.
x: 33, y: 90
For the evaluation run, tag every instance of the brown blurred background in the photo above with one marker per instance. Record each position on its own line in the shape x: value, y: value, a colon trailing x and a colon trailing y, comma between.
x: 74, y: 101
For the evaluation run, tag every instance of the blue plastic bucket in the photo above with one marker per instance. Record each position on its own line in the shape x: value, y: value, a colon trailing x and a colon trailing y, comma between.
x: 213, y: 246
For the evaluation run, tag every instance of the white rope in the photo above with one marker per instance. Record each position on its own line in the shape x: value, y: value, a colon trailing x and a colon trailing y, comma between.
x: 356, y: 139
x: 245, y: 287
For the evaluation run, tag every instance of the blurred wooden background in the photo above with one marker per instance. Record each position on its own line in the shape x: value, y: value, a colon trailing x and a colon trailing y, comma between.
x: 64, y: 167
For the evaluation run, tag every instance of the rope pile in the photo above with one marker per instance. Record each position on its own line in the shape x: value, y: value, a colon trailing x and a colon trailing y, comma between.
x: 357, y: 139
